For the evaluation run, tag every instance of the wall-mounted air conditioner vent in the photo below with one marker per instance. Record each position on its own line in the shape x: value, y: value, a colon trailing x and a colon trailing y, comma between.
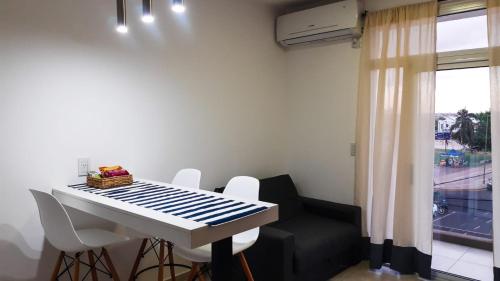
x: 337, y: 21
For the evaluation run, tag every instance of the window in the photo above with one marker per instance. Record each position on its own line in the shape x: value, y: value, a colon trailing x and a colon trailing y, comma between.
x: 473, y: 32
x: 462, y: 40
x: 462, y: 160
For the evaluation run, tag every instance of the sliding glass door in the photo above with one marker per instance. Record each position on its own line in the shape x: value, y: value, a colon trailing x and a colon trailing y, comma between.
x: 462, y: 206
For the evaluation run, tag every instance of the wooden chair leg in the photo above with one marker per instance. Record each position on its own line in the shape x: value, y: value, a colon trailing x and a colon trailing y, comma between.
x: 201, y: 276
x: 161, y: 260
x: 193, y: 272
x: 93, y: 271
x: 138, y: 260
x: 76, y: 273
x: 110, y: 265
x: 171, y: 260
x: 57, y: 266
x: 246, y: 268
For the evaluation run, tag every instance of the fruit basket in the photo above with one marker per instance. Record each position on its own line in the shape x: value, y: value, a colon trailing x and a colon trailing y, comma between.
x: 104, y: 183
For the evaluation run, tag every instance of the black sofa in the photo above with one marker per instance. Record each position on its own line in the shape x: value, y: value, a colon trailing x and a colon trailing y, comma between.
x: 312, y: 241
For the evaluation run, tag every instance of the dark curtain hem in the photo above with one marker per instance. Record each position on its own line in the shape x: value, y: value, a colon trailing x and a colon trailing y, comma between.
x: 496, y: 273
x: 405, y: 260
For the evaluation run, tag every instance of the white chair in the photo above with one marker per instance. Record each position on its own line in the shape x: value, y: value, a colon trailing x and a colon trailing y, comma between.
x: 244, y: 187
x: 185, y: 178
x: 60, y: 232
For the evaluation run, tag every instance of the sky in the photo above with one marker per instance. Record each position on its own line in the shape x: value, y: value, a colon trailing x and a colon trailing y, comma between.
x: 461, y: 34
x: 462, y: 88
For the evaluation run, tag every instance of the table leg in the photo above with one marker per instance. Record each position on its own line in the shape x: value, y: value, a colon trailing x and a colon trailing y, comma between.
x: 222, y: 256
x: 161, y: 260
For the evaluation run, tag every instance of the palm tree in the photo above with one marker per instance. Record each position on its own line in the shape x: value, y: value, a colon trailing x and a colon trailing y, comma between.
x: 483, y: 131
x: 463, y: 129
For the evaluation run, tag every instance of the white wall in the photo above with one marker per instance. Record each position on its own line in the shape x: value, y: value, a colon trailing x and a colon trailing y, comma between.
x: 374, y: 5
x: 202, y: 90
x: 322, y: 84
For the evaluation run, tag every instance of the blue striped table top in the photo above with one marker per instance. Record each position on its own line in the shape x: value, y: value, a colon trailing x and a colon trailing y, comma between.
x: 211, y: 209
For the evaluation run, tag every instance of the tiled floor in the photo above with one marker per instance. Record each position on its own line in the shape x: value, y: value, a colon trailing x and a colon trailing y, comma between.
x: 462, y: 260
x: 361, y: 272
x: 456, y: 259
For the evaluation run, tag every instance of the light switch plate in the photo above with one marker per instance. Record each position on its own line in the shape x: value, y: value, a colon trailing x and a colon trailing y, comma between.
x: 353, y: 149
x: 83, y: 167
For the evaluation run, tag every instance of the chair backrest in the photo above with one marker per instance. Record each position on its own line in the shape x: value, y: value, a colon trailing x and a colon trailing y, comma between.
x: 56, y: 223
x: 187, y: 178
x: 247, y: 188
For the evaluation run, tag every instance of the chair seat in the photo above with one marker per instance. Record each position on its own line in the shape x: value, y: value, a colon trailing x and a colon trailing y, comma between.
x: 98, y: 238
x: 318, y: 239
x: 203, y: 254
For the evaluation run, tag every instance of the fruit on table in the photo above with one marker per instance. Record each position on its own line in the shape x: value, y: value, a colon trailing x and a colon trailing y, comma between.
x: 94, y: 174
x: 111, y: 168
x: 115, y: 173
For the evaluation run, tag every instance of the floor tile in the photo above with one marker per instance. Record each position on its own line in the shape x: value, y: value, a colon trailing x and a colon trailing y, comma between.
x: 457, y: 259
x: 471, y: 270
x: 442, y: 263
x: 449, y: 250
x: 478, y: 256
x: 361, y: 272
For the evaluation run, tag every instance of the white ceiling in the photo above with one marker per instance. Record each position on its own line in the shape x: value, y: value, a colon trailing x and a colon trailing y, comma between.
x: 277, y: 1
x: 281, y: 2
x: 370, y: 5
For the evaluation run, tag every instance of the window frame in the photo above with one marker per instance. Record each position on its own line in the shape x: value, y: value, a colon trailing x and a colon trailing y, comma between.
x: 451, y: 7
x: 468, y: 58
x: 461, y: 59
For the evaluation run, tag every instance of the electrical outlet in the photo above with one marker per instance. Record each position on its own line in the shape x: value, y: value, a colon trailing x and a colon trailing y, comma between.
x: 83, y: 167
x: 353, y: 149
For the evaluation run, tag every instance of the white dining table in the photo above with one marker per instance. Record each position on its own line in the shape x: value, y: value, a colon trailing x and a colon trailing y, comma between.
x: 185, y: 216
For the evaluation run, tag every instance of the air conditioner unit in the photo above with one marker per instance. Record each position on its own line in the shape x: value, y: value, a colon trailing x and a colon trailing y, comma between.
x: 336, y: 21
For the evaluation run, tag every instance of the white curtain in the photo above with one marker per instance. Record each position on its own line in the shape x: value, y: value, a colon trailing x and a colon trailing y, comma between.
x: 494, y: 50
x: 395, y: 136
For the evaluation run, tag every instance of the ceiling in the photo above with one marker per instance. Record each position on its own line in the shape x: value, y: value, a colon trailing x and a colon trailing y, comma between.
x: 295, y: 4
x: 278, y: 2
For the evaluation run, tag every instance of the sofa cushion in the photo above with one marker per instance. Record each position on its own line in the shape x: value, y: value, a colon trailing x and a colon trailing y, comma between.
x: 318, y: 240
x: 282, y: 191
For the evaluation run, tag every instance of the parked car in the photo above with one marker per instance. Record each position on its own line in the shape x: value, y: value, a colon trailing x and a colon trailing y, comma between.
x: 440, y: 205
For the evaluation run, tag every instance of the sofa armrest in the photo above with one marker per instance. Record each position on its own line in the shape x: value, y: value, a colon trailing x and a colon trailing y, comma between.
x: 342, y: 212
x: 271, y: 257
